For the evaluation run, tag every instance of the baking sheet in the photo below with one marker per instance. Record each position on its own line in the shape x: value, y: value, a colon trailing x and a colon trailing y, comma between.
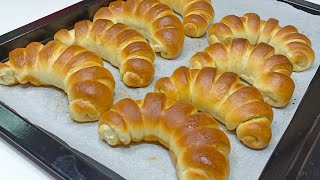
x: 314, y: 1
x: 47, y: 107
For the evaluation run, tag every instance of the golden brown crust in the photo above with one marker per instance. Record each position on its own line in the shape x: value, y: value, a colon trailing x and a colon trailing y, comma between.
x: 258, y: 65
x: 123, y: 47
x: 156, y: 21
x: 255, y: 133
x: 224, y: 97
x: 75, y: 70
x: 193, y: 138
x: 286, y: 40
x: 197, y: 15
x: 202, y: 162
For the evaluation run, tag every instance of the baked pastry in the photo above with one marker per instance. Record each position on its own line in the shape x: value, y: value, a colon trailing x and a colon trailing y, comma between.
x: 258, y: 65
x: 123, y: 47
x: 77, y: 71
x: 223, y: 96
x: 197, y: 145
x: 286, y: 40
x: 156, y: 21
x: 197, y: 15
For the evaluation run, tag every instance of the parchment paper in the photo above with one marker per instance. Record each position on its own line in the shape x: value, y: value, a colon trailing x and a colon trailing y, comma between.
x: 47, y: 107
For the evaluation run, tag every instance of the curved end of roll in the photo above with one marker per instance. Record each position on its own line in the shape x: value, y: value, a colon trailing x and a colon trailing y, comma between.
x: 7, y: 76
x: 218, y: 32
x: 113, y: 129
x: 133, y: 80
x: 213, y: 39
x: 194, y: 174
x: 169, y: 54
x: 137, y: 72
x: 301, y: 63
x: 108, y: 134
x: 200, y: 60
x: 164, y: 85
x: 198, y: 16
x: 301, y: 55
x: 83, y: 111
x: 195, y: 64
x: 191, y: 30
x: 277, y: 88
x: 202, y: 162
x: 65, y: 36
x: 89, y: 99
x: 104, y: 13
x: 255, y: 133
x: 167, y: 47
x: 298, y: 67
x: 168, y: 40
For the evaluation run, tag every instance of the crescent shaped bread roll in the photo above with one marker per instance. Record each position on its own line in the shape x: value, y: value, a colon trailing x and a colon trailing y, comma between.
x: 198, y: 147
x: 286, y: 40
x: 223, y: 96
x: 197, y: 15
x: 156, y: 21
x: 123, y: 47
x: 77, y: 71
x: 258, y: 65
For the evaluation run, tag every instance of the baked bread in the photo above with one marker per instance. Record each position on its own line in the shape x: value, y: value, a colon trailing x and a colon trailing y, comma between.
x: 258, y: 65
x: 286, y: 40
x: 197, y: 145
x: 223, y: 96
x: 77, y: 71
x: 156, y: 21
x: 123, y: 47
x: 197, y: 15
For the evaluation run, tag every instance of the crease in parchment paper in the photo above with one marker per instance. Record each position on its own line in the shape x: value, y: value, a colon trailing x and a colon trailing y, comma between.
x: 48, y: 107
